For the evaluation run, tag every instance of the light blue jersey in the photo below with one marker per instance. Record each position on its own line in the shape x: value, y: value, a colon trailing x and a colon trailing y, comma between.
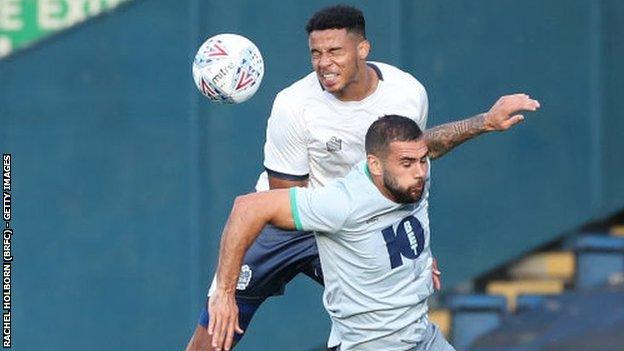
x: 376, y: 260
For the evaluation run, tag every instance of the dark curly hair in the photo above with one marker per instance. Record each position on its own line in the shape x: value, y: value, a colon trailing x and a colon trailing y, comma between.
x: 338, y: 17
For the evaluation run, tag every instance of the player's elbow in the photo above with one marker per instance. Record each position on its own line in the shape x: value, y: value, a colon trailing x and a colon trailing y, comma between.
x: 251, y: 206
x: 434, y: 155
x: 242, y: 203
x: 267, y: 207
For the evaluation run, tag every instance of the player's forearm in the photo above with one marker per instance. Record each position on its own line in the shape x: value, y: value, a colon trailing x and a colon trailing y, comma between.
x: 441, y: 139
x: 243, y: 226
x: 249, y: 215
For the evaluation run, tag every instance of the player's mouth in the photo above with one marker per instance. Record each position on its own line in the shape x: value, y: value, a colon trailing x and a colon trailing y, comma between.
x: 417, y: 190
x: 420, y: 184
x: 329, y: 79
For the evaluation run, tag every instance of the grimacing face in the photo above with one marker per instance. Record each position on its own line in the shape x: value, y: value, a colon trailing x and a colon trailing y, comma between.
x: 405, y: 169
x: 338, y: 58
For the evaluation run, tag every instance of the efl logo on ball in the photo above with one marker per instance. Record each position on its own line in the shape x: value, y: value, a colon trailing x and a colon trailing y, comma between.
x: 228, y: 68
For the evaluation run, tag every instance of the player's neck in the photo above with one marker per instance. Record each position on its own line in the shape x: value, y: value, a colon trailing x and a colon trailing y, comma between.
x: 365, y: 85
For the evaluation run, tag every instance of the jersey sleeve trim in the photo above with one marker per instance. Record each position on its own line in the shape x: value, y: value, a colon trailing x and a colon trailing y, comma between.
x: 285, y: 176
x: 293, y: 207
x: 376, y: 69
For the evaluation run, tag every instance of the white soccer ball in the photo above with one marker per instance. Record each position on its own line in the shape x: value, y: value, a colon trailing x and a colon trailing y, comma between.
x: 228, y: 68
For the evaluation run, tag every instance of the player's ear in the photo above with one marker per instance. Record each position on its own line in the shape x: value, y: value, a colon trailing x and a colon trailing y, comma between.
x: 374, y: 165
x: 363, y: 49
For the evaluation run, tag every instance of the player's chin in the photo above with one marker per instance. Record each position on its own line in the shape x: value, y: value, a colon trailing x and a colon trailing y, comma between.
x: 416, y: 193
x: 330, y: 86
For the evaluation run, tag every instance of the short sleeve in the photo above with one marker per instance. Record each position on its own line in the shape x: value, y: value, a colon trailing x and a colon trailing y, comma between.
x: 421, y: 100
x: 323, y: 209
x: 285, y: 150
x: 424, y: 108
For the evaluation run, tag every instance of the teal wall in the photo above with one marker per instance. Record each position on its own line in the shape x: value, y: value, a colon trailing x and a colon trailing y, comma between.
x: 123, y: 174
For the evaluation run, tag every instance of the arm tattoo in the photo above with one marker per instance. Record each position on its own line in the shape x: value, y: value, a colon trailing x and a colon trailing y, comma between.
x: 443, y: 138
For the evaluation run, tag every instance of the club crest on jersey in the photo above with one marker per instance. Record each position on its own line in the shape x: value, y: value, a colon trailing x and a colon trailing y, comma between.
x: 244, y: 278
x: 334, y: 144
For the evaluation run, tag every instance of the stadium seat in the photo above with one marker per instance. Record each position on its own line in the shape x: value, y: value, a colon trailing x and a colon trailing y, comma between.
x: 598, y: 257
x: 512, y: 289
x: 473, y: 316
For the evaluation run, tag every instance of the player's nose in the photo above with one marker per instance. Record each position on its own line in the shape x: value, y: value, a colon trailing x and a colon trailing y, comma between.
x: 324, y: 61
x: 420, y: 171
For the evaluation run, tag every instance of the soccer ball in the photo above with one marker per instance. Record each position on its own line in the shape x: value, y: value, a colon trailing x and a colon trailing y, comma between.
x: 228, y: 68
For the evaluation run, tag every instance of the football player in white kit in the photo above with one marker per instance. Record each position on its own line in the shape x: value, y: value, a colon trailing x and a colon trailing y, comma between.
x: 315, y: 134
x: 372, y: 231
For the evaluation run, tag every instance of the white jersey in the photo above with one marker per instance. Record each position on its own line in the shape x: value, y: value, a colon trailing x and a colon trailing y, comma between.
x: 311, y: 134
x: 376, y: 261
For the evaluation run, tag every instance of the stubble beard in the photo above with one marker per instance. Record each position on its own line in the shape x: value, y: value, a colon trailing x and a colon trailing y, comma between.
x: 401, y: 195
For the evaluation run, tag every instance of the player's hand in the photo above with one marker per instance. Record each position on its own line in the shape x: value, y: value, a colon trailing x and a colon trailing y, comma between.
x: 435, y: 276
x: 223, y: 313
x: 506, y: 112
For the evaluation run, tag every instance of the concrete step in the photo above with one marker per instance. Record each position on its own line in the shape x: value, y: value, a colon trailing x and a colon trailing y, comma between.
x: 546, y: 265
x: 617, y: 230
x: 512, y: 289
x: 442, y: 318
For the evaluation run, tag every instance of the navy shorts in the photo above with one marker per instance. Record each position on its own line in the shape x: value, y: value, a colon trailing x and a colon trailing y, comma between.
x: 274, y: 259
x: 271, y: 262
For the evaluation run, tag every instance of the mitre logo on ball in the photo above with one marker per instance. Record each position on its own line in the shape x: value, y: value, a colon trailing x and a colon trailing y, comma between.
x: 228, y: 68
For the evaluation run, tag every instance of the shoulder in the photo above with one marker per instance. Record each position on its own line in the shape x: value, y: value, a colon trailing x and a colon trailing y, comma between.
x: 355, y: 189
x: 397, y: 77
x: 305, y: 88
x: 323, y: 209
x: 290, y: 101
x: 338, y: 193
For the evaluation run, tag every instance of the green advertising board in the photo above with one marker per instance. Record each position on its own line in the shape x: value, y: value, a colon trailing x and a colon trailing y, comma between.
x: 23, y: 22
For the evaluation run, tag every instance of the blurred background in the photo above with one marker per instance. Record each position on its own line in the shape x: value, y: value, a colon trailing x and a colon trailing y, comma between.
x: 123, y: 174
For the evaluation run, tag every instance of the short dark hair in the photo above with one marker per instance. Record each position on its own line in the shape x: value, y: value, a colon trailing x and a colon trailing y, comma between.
x: 387, y: 129
x: 338, y: 17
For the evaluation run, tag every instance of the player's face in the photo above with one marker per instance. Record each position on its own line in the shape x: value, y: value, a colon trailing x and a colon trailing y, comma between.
x: 405, y: 170
x: 338, y: 58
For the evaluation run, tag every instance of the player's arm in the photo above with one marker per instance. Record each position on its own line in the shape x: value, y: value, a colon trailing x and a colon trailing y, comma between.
x: 286, y: 150
x: 504, y: 114
x: 284, y: 181
x: 250, y: 213
x: 279, y: 183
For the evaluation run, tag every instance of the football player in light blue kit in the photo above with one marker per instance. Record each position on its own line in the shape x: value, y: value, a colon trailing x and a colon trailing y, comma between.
x: 315, y: 134
x: 372, y: 232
